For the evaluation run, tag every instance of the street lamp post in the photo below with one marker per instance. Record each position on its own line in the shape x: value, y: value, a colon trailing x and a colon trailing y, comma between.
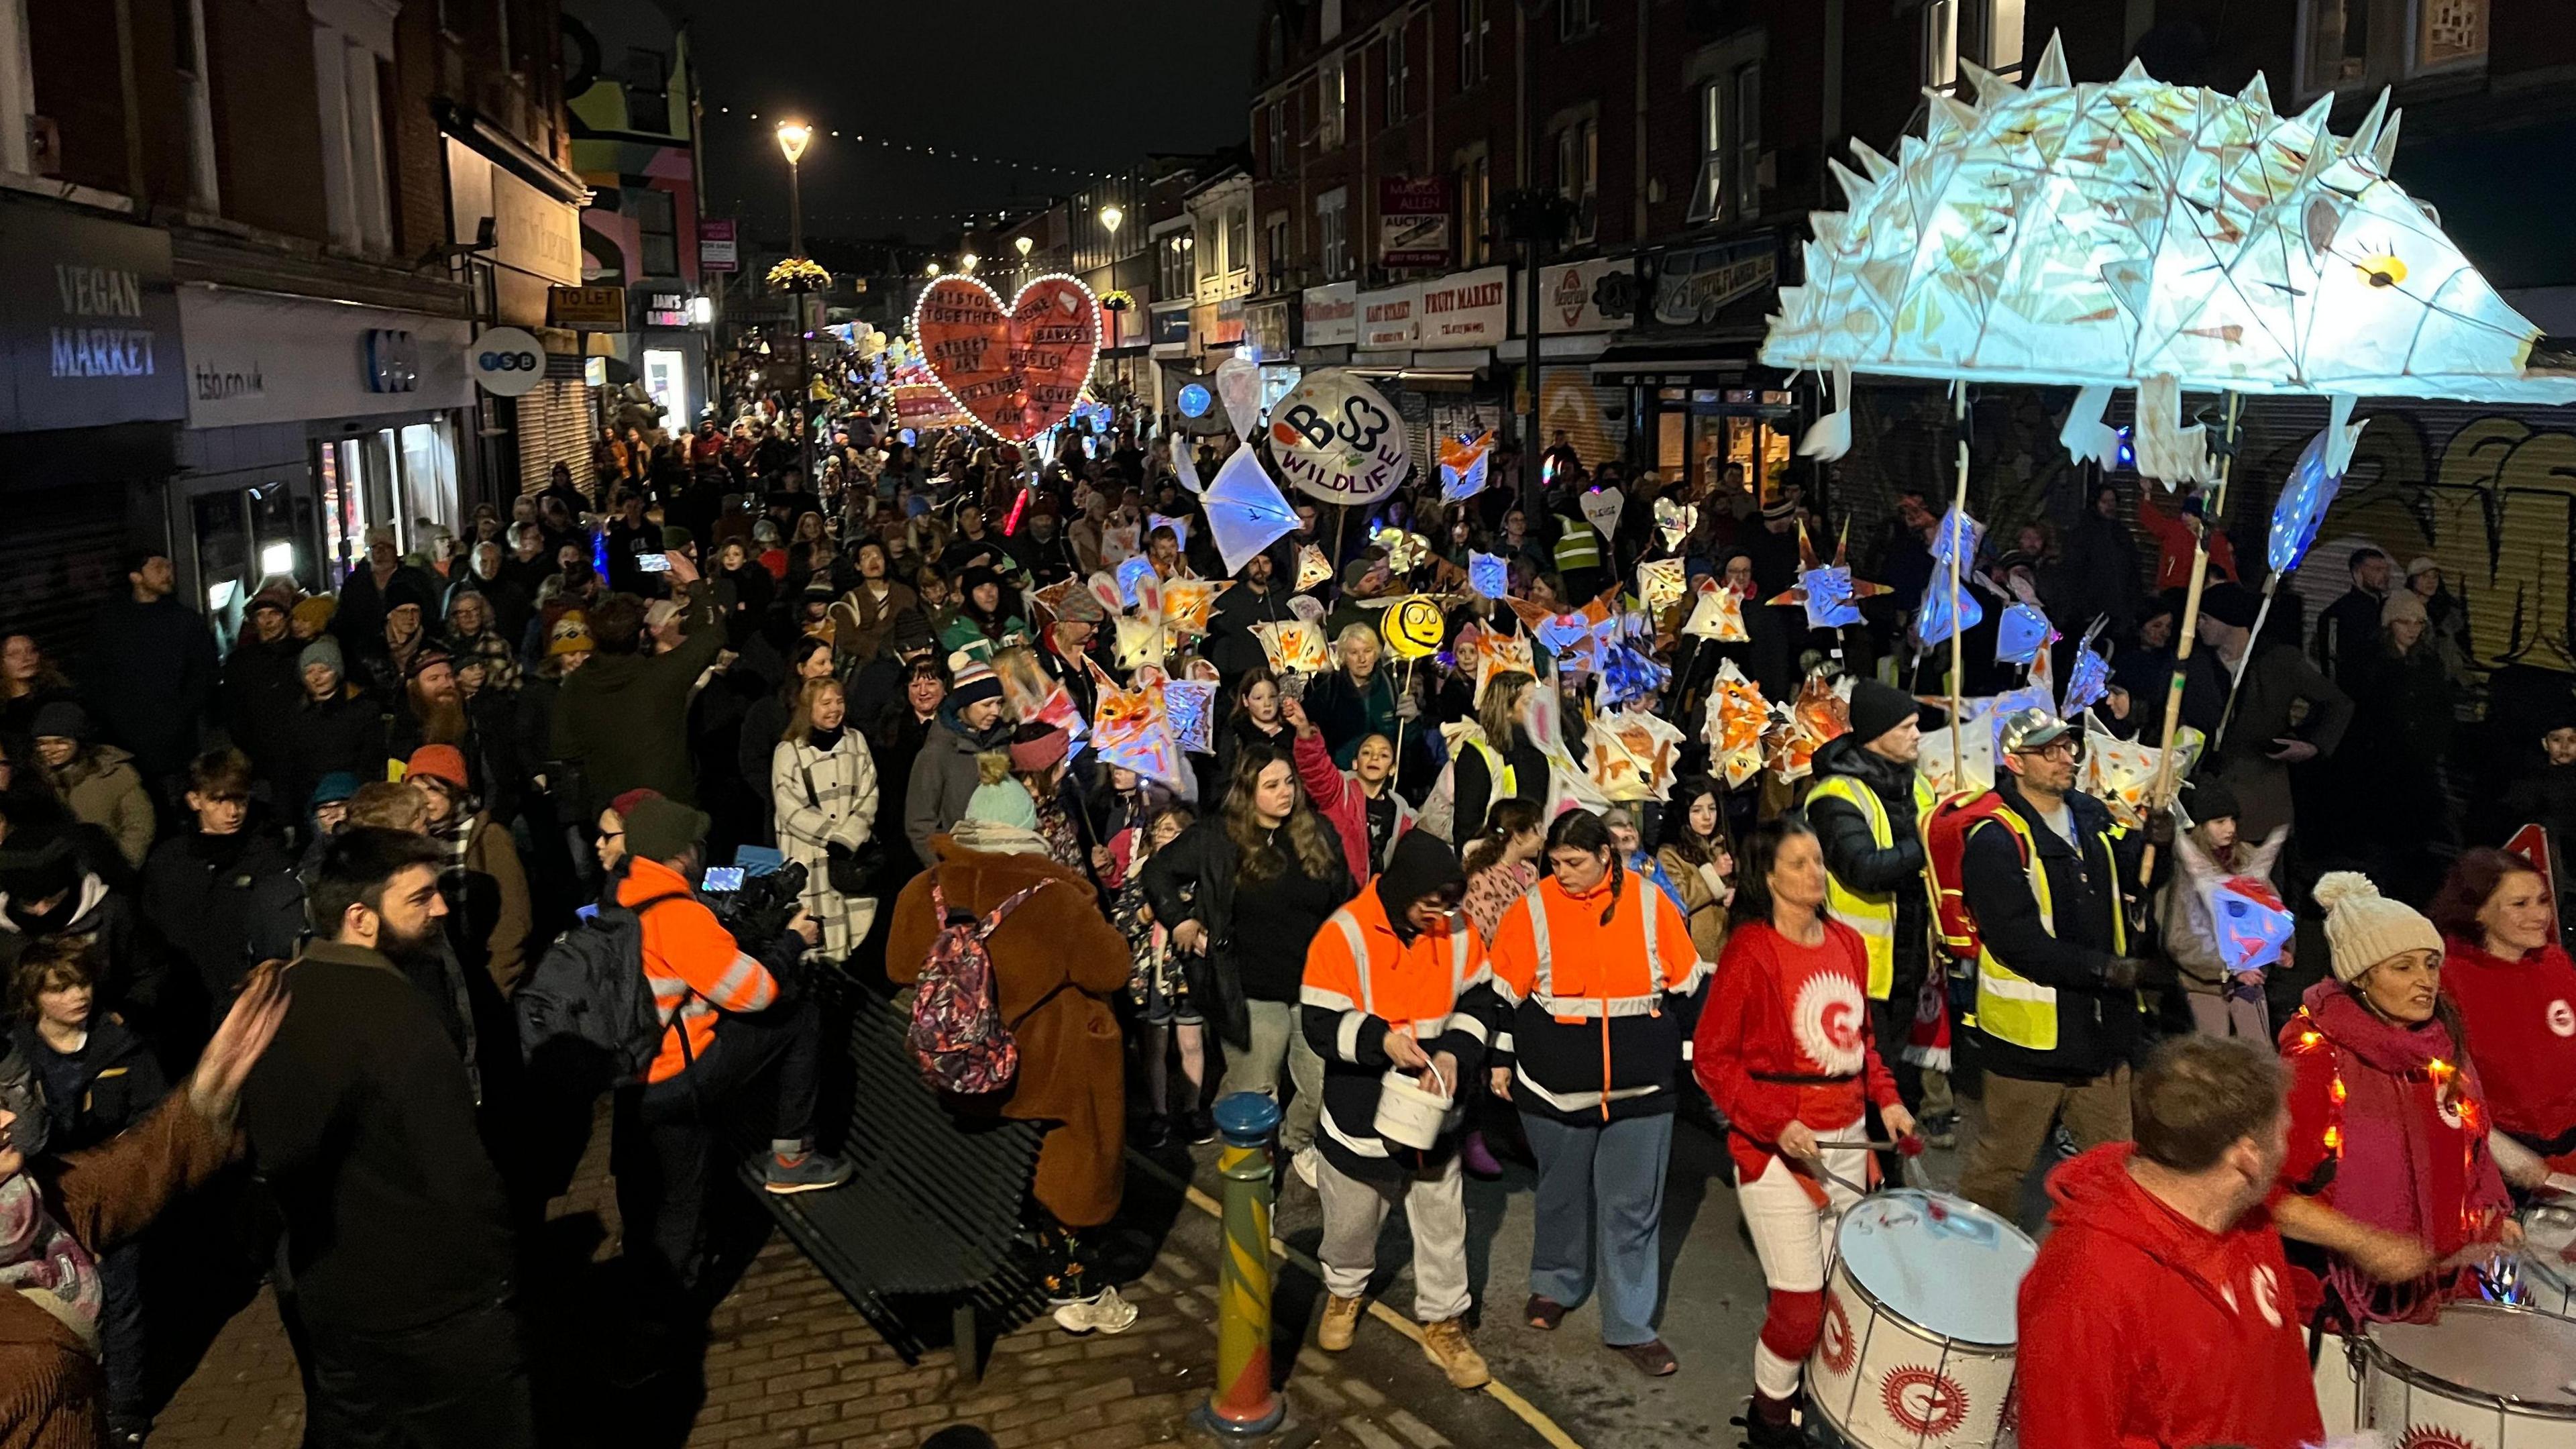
x: 793, y: 138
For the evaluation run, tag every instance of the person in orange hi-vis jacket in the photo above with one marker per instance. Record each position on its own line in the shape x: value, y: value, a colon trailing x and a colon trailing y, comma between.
x: 1395, y: 983
x: 1602, y: 986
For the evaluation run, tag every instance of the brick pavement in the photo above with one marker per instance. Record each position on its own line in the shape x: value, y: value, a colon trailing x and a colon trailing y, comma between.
x: 789, y: 1362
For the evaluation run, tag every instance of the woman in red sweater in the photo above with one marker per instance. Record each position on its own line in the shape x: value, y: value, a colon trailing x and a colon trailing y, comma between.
x: 1785, y: 1051
x: 2516, y: 991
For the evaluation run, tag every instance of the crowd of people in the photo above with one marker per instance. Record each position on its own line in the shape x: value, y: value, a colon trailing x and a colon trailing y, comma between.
x: 1375, y: 874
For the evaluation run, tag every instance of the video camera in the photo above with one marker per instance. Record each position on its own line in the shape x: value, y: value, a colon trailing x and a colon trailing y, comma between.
x: 756, y: 908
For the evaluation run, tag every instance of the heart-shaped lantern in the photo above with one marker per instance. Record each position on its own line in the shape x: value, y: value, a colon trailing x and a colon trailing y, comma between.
x: 1017, y: 371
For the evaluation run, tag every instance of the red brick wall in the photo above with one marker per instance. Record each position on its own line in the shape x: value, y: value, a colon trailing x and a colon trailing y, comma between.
x: 268, y: 128
x: 414, y: 153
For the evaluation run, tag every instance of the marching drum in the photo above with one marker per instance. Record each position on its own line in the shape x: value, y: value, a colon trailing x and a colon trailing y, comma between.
x: 2540, y: 1276
x: 1919, y: 1324
x: 2486, y: 1376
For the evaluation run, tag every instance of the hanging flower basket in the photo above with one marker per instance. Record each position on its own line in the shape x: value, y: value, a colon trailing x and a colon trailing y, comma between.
x: 800, y: 274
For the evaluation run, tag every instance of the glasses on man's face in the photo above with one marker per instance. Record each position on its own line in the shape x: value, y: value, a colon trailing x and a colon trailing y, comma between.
x: 2065, y: 747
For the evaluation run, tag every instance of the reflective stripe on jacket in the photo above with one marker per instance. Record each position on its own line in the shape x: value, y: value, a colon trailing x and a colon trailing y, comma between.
x: 2010, y: 1007
x: 1871, y: 913
x: 1601, y: 1014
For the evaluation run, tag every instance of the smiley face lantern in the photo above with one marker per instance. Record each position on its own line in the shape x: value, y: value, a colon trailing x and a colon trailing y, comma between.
x: 1413, y: 627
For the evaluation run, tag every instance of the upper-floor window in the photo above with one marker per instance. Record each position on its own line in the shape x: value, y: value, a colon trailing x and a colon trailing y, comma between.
x: 1475, y: 210
x: 1398, y: 72
x: 1988, y: 32
x: 1729, y: 183
x: 1578, y: 175
x: 1274, y: 237
x: 1333, y: 233
x: 1236, y: 254
x: 2375, y: 42
x: 1279, y: 137
x: 1474, y: 25
x: 1331, y: 82
x: 1576, y: 17
x: 1748, y: 139
x: 1176, y: 265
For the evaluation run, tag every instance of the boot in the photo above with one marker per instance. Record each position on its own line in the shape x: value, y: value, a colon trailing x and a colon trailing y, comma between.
x: 1768, y: 1424
x: 1341, y: 1320
x: 1446, y: 1344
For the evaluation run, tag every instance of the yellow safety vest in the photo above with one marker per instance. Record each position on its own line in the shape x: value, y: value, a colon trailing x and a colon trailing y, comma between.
x: 1871, y: 913
x: 1504, y: 781
x: 2013, y: 1008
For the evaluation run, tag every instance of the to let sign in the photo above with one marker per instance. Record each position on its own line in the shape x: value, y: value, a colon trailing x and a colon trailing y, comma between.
x: 587, y: 309
x: 92, y: 329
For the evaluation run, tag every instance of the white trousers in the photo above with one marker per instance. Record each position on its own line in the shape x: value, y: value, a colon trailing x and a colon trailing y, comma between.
x: 1794, y: 1237
x: 1435, y: 1210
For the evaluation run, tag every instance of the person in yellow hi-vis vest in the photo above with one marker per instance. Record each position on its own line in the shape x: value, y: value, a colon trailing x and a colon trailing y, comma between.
x: 2058, y: 1018
x: 1865, y: 808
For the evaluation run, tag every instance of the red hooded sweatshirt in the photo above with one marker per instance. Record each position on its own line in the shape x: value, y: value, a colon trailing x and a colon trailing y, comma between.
x: 2522, y: 1015
x: 2140, y: 1329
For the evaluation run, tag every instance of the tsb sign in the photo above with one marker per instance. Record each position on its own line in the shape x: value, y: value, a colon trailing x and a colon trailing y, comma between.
x: 506, y: 361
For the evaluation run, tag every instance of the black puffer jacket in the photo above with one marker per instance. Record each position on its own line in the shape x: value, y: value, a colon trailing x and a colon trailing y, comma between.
x: 1854, y: 858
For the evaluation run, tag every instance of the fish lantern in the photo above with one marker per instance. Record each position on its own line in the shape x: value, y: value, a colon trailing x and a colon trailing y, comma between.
x: 1312, y: 568
x: 2252, y: 923
x: 1413, y: 627
x: 2024, y: 632
x: 1662, y: 583
x: 1737, y: 715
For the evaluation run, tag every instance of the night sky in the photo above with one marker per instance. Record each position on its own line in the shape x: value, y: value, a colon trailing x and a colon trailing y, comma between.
x: 1004, y: 79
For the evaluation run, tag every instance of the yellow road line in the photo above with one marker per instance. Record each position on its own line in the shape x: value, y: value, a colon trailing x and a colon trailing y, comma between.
x: 1527, y: 1412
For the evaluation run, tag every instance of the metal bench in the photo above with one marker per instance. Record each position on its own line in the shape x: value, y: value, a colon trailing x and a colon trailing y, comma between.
x: 932, y: 1211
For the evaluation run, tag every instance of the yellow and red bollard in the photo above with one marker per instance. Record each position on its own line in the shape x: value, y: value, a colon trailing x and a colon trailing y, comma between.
x: 1243, y: 1404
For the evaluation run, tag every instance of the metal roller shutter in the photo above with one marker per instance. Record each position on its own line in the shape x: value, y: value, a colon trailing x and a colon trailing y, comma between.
x: 554, y: 426
x: 59, y: 560
x: 1593, y: 417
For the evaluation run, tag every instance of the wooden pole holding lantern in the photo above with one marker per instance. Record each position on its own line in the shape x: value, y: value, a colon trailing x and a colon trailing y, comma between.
x: 1958, y: 539
x: 2161, y: 797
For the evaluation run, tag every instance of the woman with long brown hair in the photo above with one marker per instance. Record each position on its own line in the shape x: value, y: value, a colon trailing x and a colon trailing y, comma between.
x: 1250, y: 886
x: 2503, y: 968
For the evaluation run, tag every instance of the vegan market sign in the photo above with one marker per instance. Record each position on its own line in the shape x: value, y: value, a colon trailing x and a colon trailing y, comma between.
x: 1018, y: 371
x: 1338, y: 439
x: 92, y: 336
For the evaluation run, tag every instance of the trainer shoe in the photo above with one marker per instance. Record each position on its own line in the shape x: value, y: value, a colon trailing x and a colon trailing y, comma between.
x: 1102, y: 1312
x: 1341, y: 1321
x: 1446, y: 1344
x: 805, y: 1172
x: 1202, y: 1127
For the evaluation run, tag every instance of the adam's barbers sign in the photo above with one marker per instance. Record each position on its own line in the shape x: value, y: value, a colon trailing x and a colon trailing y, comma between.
x: 89, y: 321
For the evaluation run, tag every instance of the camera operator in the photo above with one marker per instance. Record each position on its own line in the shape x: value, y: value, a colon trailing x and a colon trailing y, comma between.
x: 730, y: 1017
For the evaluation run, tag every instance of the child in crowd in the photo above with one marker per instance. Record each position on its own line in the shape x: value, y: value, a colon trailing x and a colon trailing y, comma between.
x: 99, y: 1079
x: 1158, y: 988
x: 2223, y: 1002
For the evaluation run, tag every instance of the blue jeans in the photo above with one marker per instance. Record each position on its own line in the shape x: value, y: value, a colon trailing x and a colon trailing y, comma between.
x: 1604, y: 1180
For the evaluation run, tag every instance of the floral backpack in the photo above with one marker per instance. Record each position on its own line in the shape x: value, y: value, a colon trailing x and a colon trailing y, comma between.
x: 957, y: 1035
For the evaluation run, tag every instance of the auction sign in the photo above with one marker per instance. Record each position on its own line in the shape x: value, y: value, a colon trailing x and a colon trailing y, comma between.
x: 1338, y: 439
x: 1413, y: 221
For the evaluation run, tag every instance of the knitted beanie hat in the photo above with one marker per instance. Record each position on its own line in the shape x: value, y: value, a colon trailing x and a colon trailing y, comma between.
x: 975, y: 680
x: 1005, y: 802
x: 314, y: 613
x: 2403, y: 606
x: 324, y: 651
x: 2364, y: 928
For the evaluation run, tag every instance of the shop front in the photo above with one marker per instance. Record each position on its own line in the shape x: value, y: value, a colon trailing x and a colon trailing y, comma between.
x: 94, y: 385
x: 1168, y: 347
x: 1689, y: 373
x: 310, y: 423
x: 532, y: 209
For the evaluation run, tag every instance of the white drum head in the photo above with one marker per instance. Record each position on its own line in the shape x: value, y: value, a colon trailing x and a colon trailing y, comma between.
x: 1941, y: 1263
x: 2489, y: 1350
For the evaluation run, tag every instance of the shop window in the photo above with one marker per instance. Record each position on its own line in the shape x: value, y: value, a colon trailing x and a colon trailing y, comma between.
x: 2361, y: 43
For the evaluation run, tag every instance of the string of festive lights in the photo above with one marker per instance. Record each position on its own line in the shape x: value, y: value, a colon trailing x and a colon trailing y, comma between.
x: 919, y: 148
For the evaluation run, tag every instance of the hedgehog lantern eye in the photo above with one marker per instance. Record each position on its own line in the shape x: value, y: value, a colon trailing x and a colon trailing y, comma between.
x: 2382, y: 269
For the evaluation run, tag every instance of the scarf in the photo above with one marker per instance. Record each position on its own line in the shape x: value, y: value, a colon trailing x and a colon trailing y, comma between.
x: 825, y: 741
x: 2408, y: 1163
x: 47, y: 1264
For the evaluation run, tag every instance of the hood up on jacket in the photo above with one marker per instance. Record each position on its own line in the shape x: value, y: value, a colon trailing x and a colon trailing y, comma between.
x: 2093, y: 1190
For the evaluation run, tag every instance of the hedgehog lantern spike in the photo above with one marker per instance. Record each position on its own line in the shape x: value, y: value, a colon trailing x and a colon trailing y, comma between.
x: 2105, y: 233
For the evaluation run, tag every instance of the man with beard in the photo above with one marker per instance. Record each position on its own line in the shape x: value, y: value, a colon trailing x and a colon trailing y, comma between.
x: 1049, y: 554
x: 1255, y: 599
x: 362, y: 1124
x: 440, y: 713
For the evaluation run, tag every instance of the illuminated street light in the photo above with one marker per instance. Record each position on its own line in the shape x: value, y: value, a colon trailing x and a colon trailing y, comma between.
x: 793, y: 138
x: 1022, y: 244
x: 967, y: 262
x: 931, y: 271
x: 1110, y: 216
